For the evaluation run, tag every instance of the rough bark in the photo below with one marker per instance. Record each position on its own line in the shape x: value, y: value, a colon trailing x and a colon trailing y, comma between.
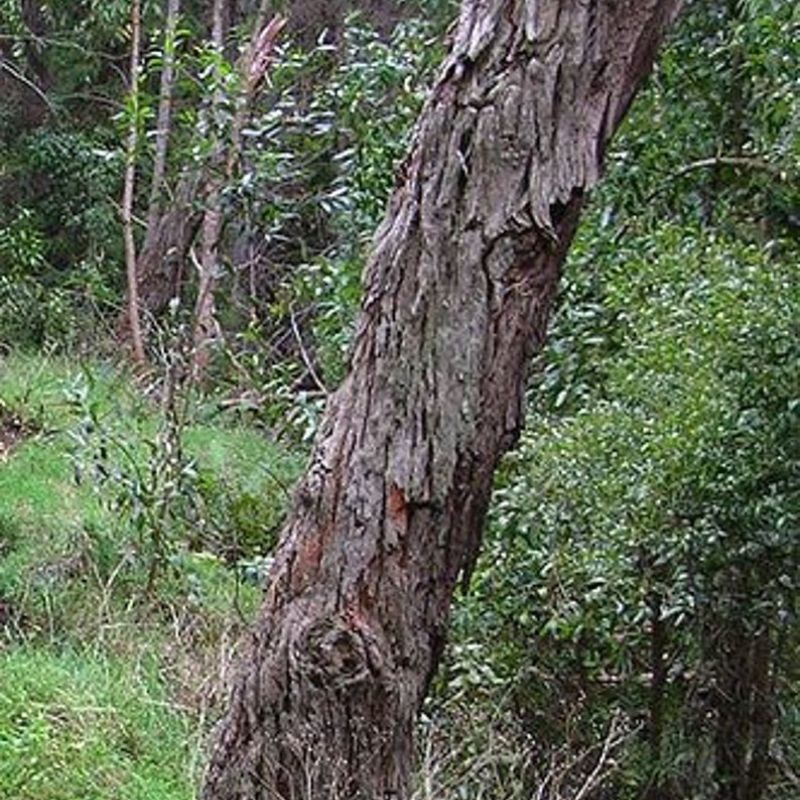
x: 457, y: 294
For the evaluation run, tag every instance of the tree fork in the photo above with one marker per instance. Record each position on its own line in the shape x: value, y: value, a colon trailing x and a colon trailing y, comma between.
x: 457, y: 295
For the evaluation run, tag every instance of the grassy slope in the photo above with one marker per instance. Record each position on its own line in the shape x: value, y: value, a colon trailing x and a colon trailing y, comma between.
x: 101, y: 694
x: 84, y: 726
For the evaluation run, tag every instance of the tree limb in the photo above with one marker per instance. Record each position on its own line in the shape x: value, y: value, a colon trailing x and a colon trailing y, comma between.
x: 18, y: 76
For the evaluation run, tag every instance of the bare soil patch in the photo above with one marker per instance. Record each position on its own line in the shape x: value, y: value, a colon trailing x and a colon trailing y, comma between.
x: 13, y: 429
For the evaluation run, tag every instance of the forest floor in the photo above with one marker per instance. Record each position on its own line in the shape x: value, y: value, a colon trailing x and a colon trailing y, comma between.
x: 13, y: 429
x: 107, y: 690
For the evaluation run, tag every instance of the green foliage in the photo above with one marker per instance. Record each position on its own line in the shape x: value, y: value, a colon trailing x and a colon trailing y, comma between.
x: 22, y: 247
x: 238, y: 523
x: 323, y: 162
x: 673, y: 478
x: 725, y: 87
x: 653, y: 502
x: 169, y: 488
x: 33, y: 316
x: 148, y: 482
x: 55, y: 239
x: 23, y: 312
x: 97, y: 536
x: 657, y: 485
x: 377, y: 93
x: 67, y: 178
x: 9, y: 534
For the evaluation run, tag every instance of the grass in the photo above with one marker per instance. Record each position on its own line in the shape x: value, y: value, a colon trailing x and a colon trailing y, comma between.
x: 105, y: 691
x: 83, y: 726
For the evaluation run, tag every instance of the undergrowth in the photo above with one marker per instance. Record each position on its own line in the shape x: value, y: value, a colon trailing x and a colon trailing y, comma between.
x: 89, y: 726
x: 108, y: 685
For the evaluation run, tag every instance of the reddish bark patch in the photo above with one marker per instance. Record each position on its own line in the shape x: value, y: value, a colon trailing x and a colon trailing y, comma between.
x: 306, y: 568
x: 398, y: 505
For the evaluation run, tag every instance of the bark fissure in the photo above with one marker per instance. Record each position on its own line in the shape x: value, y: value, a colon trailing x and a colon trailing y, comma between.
x: 456, y: 301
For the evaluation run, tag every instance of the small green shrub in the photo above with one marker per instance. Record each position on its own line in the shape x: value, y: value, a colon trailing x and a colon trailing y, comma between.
x: 146, y: 481
x: 237, y: 522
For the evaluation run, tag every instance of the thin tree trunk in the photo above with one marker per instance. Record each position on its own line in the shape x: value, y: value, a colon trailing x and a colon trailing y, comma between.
x: 129, y: 191
x: 762, y: 716
x: 745, y: 713
x: 211, y: 230
x: 733, y: 680
x: 169, y: 237
x: 252, y: 68
x: 457, y: 296
x: 159, y: 258
x: 164, y: 121
x: 658, y: 686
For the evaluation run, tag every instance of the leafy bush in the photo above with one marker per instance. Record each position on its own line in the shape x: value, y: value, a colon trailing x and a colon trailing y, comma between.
x: 146, y: 481
x: 659, y: 514
x: 323, y: 161
x: 238, y: 522
x: 39, y: 307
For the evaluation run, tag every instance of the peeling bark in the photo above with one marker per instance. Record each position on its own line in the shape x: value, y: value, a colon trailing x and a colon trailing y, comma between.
x: 457, y: 295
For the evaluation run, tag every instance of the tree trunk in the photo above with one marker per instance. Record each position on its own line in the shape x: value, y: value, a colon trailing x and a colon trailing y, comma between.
x: 457, y: 295
x: 164, y: 122
x: 171, y: 231
x: 165, y: 240
x: 745, y: 703
x: 762, y: 716
x: 163, y: 257
x: 129, y: 191
x: 211, y: 230
x: 252, y: 69
x: 657, y: 691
